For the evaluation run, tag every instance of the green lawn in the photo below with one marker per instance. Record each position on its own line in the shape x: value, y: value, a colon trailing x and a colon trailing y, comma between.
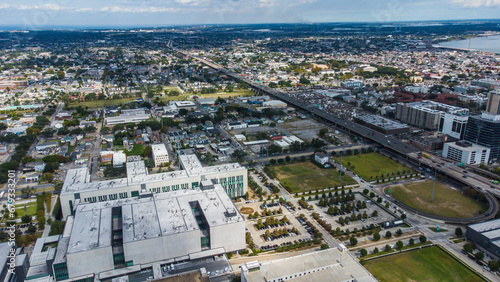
x: 307, y: 176
x: 428, y: 264
x: 372, y: 165
x: 235, y: 93
x: 30, y: 210
x: 447, y: 202
x: 102, y: 103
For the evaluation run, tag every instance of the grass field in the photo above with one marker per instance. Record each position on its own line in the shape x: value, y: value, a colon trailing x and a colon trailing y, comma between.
x: 372, y: 165
x: 307, y: 176
x: 30, y: 210
x: 428, y: 264
x: 447, y: 202
x: 102, y: 103
x: 235, y: 93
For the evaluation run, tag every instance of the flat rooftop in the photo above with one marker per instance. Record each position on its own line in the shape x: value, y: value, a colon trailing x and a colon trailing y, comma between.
x: 78, y: 180
x: 467, y: 146
x: 148, y: 217
x: 159, y: 149
x: 327, y: 265
x: 383, y: 122
x: 486, y: 226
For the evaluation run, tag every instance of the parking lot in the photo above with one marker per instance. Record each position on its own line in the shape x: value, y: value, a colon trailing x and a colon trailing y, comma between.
x: 295, y: 231
x: 382, y: 216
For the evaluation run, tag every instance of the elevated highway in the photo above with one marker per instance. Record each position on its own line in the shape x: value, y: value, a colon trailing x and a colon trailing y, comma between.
x: 391, y: 144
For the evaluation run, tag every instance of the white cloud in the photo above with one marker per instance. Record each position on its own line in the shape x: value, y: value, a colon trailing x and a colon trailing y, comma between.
x: 116, y: 9
x: 478, y: 3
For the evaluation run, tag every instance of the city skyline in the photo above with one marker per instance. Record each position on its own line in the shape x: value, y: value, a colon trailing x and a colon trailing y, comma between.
x: 148, y: 13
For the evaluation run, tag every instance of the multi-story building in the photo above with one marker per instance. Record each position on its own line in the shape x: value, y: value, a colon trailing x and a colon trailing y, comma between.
x: 114, y: 238
x: 434, y: 116
x: 466, y: 152
x: 484, y: 130
x: 78, y: 188
x: 493, y: 106
x: 160, y: 154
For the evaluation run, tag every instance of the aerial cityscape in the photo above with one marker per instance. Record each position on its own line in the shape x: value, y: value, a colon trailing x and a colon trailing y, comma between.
x: 199, y: 140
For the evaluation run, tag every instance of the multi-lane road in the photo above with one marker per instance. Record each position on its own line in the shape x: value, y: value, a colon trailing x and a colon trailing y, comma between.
x: 388, y: 142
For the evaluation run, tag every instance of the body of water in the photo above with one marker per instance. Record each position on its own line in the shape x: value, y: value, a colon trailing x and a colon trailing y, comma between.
x: 484, y: 43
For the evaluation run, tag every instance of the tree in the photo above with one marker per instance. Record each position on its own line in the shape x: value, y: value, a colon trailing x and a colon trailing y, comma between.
x: 324, y: 246
x: 411, y: 242
x: 479, y: 255
x: 399, y: 245
x: 60, y: 74
x: 468, y: 248
x: 365, y: 191
x: 267, y: 234
x: 376, y: 236
x: 353, y: 241
x: 363, y: 252
x: 458, y: 232
x: 494, y: 265
x: 399, y: 232
x: 26, y: 218
x: 31, y: 229
x: 388, y: 234
x: 375, y: 251
x: 388, y: 248
x: 422, y: 238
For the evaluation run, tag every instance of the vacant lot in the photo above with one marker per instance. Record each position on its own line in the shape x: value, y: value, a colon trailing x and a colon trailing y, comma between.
x: 447, y: 202
x: 307, y: 176
x: 235, y: 93
x: 428, y: 264
x: 373, y: 165
x: 102, y: 103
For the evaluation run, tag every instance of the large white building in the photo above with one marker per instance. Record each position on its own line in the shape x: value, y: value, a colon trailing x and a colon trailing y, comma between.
x: 466, y: 152
x: 110, y: 239
x: 78, y: 188
x: 126, y: 118
x: 160, y: 154
x: 331, y: 265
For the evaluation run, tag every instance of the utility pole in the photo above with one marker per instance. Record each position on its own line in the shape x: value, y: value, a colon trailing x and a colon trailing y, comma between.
x: 433, y: 186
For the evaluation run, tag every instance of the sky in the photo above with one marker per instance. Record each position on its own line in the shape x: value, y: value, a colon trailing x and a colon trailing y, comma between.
x: 33, y: 14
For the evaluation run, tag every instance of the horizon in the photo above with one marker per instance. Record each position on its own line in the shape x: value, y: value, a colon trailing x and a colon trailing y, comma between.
x: 4, y: 27
x: 148, y: 13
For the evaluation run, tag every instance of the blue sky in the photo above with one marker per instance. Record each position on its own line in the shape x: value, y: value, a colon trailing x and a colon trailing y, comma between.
x: 49, y: 13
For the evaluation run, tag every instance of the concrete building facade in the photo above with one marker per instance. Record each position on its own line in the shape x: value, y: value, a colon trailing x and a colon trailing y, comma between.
x: 160, y: 154
x: 153, y: 228
x: 466, y: 152
x: 78, y: 188
x: 427, y: 114
x: 484, y: 130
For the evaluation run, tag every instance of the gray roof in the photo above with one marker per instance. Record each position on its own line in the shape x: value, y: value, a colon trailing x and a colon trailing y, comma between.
x: 143, y: 218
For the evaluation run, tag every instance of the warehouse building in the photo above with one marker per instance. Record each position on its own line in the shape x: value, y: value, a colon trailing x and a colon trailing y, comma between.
x: 486, y: 235
x: 125, y: 118
x: 384, y: 125
x: 116, y: 237
x: 466, y: 152
x: 78, y: 188
x: 275, y: 104
x: 160, y: 154
x: 327, y: 265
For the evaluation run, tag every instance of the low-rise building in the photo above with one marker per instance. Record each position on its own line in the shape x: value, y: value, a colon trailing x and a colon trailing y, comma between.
x: 486, y: 235
x: 321, y: 158
x: 160, y: 154
x: 327, y: 265
x: 466, y: 152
